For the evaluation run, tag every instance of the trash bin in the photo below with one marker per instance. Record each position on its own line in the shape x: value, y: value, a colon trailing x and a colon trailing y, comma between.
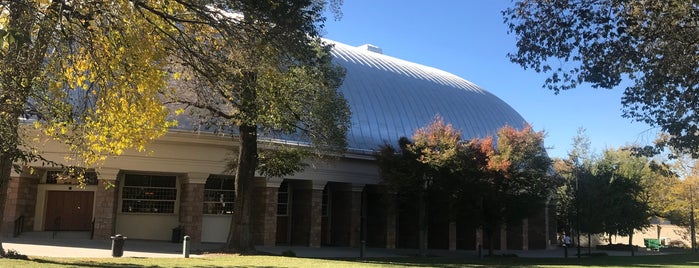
x: 652, y: 243
x: 118, y: 245
x: 176, y: 234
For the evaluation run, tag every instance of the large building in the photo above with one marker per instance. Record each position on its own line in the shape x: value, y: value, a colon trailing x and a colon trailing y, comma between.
x: 181, y: 184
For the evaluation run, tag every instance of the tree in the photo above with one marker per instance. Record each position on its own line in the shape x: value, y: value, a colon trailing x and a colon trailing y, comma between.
x: 653, y: 44
x: 569, y: 169
x: 627, y: 209
x: 485, y: 184
x: 421, y: 167
x: 76, y: 69
x: 518, y: 181
x: 574, y: 203
x: 272, y: 76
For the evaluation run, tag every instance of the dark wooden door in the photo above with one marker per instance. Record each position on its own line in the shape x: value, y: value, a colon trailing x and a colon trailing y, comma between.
x: 68, y: 211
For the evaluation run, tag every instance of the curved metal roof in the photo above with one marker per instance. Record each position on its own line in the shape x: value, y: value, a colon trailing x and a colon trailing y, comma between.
x: 391, y: 98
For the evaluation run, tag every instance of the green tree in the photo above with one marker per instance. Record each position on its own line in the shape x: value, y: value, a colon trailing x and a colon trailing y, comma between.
x: 651, y: 43
x: 626, y: 203
x: 518, y: 180
x: 569, y: 170
x: 77, y: 69
x: 273, y: 76
x: 423, y: 168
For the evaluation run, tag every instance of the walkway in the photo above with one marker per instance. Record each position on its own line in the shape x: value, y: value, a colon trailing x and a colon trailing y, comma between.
x: 67, y: 244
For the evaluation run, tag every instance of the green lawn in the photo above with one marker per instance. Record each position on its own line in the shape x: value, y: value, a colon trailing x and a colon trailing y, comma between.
x: 680, y: 260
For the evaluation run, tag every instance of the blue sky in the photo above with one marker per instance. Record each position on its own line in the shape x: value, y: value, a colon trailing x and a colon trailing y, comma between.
x: 469, y: 39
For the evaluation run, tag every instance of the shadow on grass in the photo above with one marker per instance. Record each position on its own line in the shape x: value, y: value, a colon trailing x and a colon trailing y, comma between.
x: 675, y: 260
x: 107, y: 264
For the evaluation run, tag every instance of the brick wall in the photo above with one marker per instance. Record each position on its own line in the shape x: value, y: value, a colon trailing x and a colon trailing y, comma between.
x: 105, y: 209
x: 264, y: 216
x: 21, y: 201
x: 191, y: 210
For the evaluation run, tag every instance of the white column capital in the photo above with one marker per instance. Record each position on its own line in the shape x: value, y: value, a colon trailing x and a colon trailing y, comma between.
x: 318, y: 185
x: 268, y: 182
x: 107, y: 174
x: 196, y: 177
x: 357, y: 187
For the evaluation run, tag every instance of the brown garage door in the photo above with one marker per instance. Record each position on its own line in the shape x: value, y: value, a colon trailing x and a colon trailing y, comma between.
x: 68, y: 211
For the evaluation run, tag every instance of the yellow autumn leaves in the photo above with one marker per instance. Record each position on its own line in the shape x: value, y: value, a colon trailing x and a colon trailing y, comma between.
x: 111, y: 82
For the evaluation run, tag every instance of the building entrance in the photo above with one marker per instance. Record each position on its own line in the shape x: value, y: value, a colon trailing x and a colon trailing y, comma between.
x: 68, y: 211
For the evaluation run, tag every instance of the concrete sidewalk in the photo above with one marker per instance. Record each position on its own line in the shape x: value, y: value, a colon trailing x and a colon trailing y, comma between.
x: 78, y: 245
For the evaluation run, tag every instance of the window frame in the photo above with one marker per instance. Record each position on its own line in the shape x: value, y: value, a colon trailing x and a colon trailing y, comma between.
x: 283, y: 190
x: 223, y: 205
x: 139, y: 202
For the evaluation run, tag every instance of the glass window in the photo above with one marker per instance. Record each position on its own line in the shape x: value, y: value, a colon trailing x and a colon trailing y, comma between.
x: 149, y: 194
x: 283, y: 199
x: 70, y: 176
x: 219, y: 194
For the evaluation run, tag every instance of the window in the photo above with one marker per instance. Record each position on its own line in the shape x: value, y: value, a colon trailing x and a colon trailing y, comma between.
x: 219, y: 193
x: 149, y: 194
x: 283, y: 199
x: 71, y: 176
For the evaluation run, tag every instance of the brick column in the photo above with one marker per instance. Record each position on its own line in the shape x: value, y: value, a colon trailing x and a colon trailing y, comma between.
x: 356, y: 215
x: 547, y: 225
x: 316, y: 214
x: 525, y: 234
x: 9, y: 213
x: 192, y: 204
x: 452, y: 235
x: 391, y: 217
x: 20, y: 201
x: 264, y: 221
x: 106, y: 203
x: 479, y: 237
x: 503, y: 237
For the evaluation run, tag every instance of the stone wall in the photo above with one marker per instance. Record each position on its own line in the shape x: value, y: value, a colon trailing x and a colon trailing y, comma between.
x: 21, y: 202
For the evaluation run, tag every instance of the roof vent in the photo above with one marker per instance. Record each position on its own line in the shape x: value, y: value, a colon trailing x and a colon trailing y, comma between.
x: 372, y: 48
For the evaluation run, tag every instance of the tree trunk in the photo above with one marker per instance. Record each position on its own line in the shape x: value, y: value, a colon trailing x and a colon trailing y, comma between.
x: 589, y: 244
x: 240, y: 234
x: 631, y: 243
x: 5, y: 170
x: 21, y: 65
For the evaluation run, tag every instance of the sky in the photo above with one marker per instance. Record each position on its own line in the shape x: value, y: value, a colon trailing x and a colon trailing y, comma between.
x: 470, y: 40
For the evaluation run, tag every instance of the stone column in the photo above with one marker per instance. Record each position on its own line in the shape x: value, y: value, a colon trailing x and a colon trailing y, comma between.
x: 106, y: 203
x: 525, y: 234
x: 479, y: 237
x: 20, y: 201
x: 547, y: 228
x: 391, y: 218
x: 264, y: 219
x: 503, y: 237
x: 356, y: 215
x: 452, y: 236
x: 316, y: 207
x: 192, y: 204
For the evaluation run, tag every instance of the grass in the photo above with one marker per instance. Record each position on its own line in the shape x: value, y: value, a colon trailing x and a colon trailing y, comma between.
x: 223, y: 260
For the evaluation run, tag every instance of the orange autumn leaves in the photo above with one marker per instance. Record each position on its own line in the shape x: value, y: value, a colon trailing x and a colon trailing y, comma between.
x: 439, y: 143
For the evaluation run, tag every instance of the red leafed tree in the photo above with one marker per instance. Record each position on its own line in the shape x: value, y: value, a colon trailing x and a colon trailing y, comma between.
x: 516, y: 181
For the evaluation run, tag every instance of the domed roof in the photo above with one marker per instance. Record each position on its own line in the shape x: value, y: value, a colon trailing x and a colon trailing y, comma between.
x: 391, y: 98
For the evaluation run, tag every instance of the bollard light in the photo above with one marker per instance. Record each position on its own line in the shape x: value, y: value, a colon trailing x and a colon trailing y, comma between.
x: 185, y: 246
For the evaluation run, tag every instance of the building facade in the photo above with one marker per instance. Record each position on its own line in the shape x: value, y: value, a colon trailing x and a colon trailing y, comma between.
x: 180, y: 186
